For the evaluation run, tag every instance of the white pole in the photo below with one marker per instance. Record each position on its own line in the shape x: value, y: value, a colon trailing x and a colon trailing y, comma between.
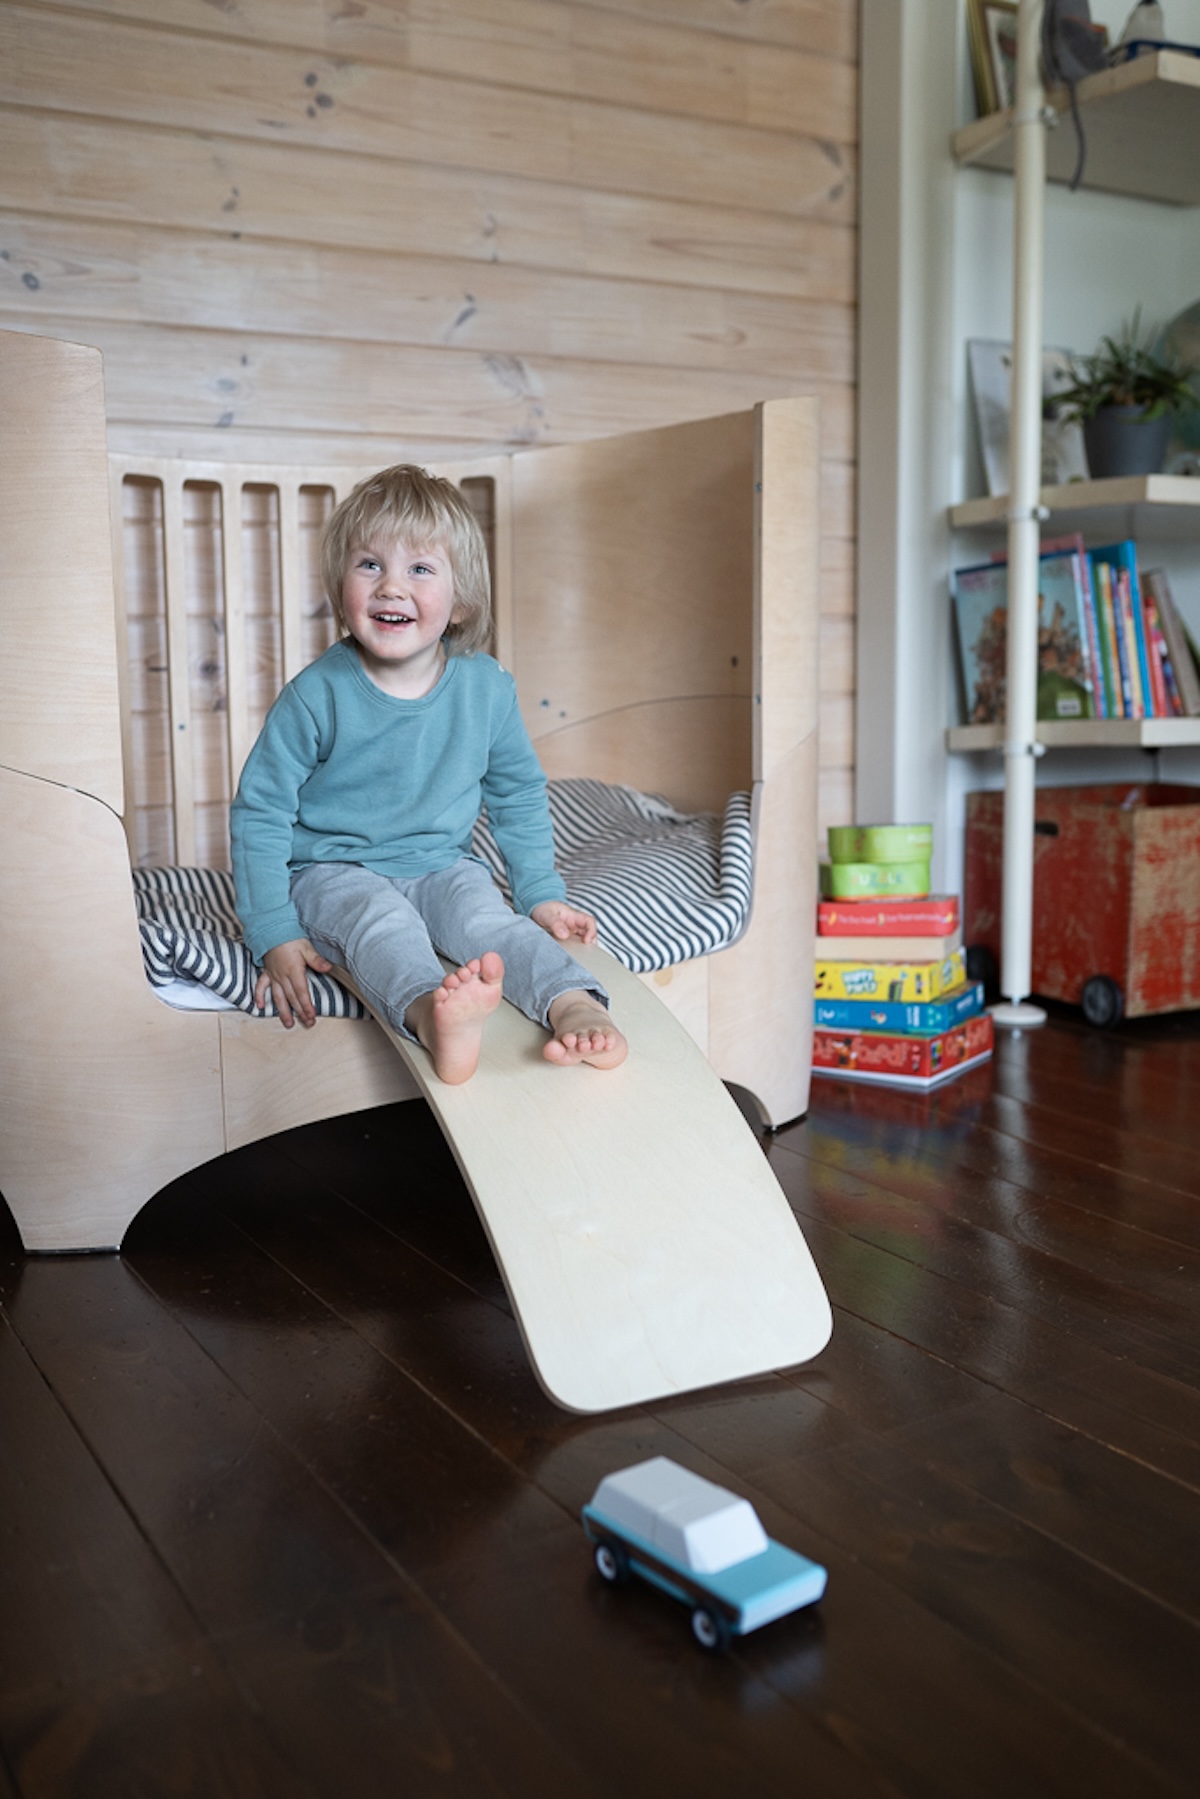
x: 1020, y: 747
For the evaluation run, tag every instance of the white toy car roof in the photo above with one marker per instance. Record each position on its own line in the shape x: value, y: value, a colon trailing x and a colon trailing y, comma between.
x: 692, y: 1520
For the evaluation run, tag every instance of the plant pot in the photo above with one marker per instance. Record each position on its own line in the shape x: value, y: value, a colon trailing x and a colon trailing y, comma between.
x: 1121, y: 440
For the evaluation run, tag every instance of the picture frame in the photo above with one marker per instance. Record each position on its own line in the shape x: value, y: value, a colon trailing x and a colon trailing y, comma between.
x: 989, y: 365
x: 992, y: 30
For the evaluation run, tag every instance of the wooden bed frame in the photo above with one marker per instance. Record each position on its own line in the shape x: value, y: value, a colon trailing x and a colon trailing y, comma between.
x: 656, y: 599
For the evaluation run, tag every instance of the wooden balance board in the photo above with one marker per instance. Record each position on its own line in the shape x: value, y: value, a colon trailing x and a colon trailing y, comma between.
x: 645, y: 1244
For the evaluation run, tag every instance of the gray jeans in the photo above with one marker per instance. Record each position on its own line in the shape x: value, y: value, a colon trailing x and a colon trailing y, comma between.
x: 386, y: 932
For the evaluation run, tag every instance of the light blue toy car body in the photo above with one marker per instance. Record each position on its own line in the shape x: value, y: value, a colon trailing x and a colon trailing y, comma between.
x: 701, y: 1544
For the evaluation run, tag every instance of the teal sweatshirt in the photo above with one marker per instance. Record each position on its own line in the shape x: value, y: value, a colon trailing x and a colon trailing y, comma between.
x: 343, y: 772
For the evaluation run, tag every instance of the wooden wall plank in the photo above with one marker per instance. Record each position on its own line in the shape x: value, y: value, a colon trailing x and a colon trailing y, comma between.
x: 827, y: 26
x: 226, y: 380
x: 121, y: 70
x: 131, y: 274
x: 56, y: 164
x: 547, y: 46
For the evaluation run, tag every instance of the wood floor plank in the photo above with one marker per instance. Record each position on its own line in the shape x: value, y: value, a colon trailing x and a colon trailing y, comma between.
x: 280, y: 1577
x: 107, y: 1681
x: 1140, y: 1414
x: 927, y: 1222
x: 974, y: 1145
x: 353, y: 1271
x: 504, y: 1561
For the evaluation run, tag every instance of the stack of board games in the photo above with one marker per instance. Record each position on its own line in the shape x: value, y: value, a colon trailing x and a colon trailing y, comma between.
x: 893, y: 1003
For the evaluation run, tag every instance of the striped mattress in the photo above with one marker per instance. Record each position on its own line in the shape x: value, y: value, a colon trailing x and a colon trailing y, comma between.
x: 664, y: 887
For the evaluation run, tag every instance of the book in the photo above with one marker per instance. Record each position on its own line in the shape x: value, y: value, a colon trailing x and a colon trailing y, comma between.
x: 883, y: 980
x: 1183, y: 665
x: 924, y: 1018
x: 903, y: 1061
x: 880, y: 843
x: 980, y: 596
x: 1161, y: 682
x: 1103, y: 575
x: 872, y: 880
x: 889, y: 949
x: 933, y: 915
x: 1122, y: 559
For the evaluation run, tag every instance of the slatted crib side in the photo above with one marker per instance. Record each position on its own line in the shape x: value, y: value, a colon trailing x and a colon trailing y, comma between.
x: 219, y: 602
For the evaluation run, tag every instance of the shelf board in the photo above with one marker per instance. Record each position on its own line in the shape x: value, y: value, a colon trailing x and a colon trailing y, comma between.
x: 1141, y: 122
x: 1087, y: 496
x: 1086, y: 733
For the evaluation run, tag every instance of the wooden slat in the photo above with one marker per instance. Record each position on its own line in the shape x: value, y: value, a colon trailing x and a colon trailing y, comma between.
x: 290, y: 580
x: 178, y: 684
x: 546, y: 46
x: 237, y: 718
x: 138, y: 274
x: 56, y: 164
x: 120, y: 70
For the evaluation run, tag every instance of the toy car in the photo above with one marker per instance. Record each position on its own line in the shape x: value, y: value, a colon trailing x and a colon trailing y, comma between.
x: 700, y: 1543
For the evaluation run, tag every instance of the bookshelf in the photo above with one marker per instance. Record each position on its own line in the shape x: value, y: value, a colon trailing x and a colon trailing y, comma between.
x: 1142, y: 126
x: 1142, y: 121
x: 1136, y: 506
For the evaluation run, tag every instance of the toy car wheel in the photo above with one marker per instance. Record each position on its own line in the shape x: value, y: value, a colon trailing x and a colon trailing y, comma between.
x: 612, y: 1563
x: 1103, y: 1002
x: 709, y: 1628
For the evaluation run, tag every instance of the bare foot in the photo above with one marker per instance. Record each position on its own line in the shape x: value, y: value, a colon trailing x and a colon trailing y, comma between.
x: 450, y: 1020
x: 583, y: 1032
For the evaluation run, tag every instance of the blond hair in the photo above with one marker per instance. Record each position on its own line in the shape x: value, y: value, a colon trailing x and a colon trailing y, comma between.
x: 423, y: 510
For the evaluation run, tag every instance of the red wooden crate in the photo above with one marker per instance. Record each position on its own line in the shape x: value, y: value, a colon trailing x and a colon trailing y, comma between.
x: 1116, y: 891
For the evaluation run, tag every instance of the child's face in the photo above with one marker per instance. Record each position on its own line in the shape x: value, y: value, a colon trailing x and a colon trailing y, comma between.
x: 397, y: 601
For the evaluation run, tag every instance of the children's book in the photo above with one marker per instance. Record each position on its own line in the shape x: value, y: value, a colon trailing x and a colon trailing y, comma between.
x: 934, y: 915
x: 1183, y: 666
x: 903, y: 1061
x: 888, y: 949
x: 1121, y: 558
x: 1064, y: 687
x: 882, y: 980
x: 927, y: 1018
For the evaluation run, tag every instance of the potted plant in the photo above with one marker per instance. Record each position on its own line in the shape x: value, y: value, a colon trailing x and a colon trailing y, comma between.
x: 1125, y: 395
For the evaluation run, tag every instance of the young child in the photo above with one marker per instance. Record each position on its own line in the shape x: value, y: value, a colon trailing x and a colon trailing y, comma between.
x: 352, y: 823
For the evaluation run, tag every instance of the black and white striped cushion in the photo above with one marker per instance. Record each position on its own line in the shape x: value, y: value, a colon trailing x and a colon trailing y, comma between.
x: 664, y: 886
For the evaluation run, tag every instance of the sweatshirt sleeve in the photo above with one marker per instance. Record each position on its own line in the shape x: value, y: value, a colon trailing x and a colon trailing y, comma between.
x: 519, y: 813
x: 261, y: 822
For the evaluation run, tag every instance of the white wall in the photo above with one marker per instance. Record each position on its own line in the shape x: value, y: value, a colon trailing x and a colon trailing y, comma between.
x: 936, y: 270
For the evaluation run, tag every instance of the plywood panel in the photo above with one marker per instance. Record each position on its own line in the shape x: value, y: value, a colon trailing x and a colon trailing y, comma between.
x: 61, y: 720
x: 138, y: 274
x: 97, y: 169
x: 666, y: 517
x: 128, y: 71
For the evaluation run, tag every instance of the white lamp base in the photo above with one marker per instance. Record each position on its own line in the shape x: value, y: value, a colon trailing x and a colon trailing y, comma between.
x: 1017, y: 1015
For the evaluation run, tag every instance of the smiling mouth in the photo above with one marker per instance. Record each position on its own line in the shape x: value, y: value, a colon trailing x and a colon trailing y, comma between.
x: 392, y: 618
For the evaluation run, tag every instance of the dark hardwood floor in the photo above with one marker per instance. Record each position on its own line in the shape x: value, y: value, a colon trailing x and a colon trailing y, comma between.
x: 283, y: 1512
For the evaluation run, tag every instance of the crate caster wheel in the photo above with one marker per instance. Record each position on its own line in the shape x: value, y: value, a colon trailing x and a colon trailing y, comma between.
x: 1103, y: 1002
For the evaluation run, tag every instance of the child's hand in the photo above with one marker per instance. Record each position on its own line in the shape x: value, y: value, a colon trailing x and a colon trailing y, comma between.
x: 285, y: 974
x: 564, y: 921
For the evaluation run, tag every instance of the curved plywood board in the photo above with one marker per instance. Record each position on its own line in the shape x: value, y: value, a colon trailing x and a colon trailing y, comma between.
x: 60, y: 719
x: 646, y: 1246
